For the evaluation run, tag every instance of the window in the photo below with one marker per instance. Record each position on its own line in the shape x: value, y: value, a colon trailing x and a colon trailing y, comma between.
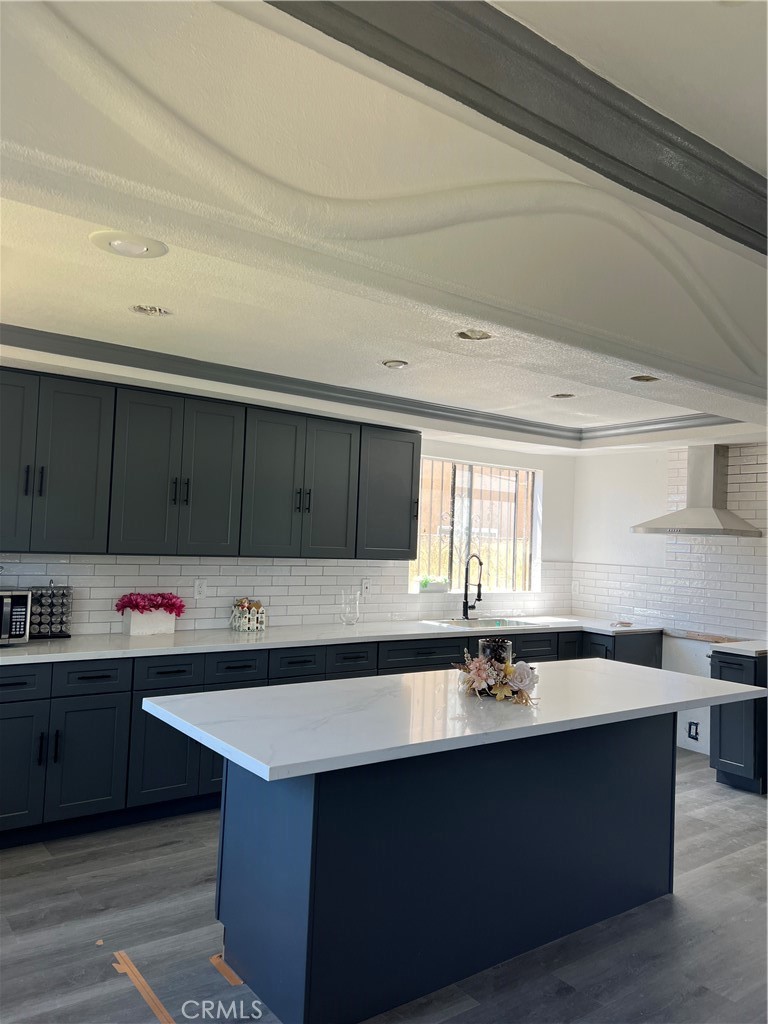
x: 466, y: 509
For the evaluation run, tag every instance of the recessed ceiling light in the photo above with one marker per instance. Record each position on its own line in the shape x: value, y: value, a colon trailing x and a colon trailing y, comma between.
x: 473, y: 335
x: 562, y: 394
x: 151, y: 310
x: 121, y: 243
x: 644, y: 378
x: 394, y: 364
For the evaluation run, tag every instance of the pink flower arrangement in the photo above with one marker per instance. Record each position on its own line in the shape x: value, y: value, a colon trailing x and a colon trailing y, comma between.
x: 170, y: 603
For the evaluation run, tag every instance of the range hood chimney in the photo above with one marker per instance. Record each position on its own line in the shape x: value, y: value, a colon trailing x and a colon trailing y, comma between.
x: 705, y: 513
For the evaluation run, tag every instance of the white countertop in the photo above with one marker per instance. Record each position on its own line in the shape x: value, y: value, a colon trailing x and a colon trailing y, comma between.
x: 747, y: 648
x: 202, y: 641
x: 278, y: 732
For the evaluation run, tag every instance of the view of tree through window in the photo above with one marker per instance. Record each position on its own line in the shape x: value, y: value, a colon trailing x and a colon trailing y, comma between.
x: 466, y: 509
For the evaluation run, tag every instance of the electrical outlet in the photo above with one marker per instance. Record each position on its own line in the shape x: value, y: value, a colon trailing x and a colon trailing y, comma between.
x: 693, y: 731
x: 574, y: 588
x: 365, y: 588
x: 201, y: 588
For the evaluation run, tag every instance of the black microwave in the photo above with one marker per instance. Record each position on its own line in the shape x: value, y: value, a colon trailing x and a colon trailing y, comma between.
x: 15, y: 610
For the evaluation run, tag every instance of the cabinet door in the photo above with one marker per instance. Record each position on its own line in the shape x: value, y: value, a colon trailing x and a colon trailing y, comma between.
x: 568, y: 646
x: 18, y: 423
x: 638, y: 648
x: 330, y: 489
x: 211, y: 478
x: 594, y: 645
x: 70, y: 511
x: 164, y: 763
x: 23, y: 732
x: 732, y: 745
x: 388, y: 502
x: 87, y: 755
x: 146, y: 484
x: 273, y: 483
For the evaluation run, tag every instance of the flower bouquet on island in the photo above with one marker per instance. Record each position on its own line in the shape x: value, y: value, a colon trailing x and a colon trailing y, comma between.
x: 149, y: 614
x: 494, y: 674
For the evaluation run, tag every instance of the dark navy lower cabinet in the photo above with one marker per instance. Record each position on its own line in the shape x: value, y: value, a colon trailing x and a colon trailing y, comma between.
x: 568, y: 646
x: 164, y: 763
x: 420, y: 655
x: 23, y: 745
x: 24, y: 682
x: 633, y: 648
x: 87, y: 755
x: 737, y: 743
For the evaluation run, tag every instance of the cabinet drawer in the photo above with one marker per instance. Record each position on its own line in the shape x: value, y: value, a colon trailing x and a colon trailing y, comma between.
x: 296, y: 661
x: 406, y: 655
x: 24, y: 682
x: 355, y: 659
x: 161, y: 672
x: 225, y: 669
x: 73, y: 678
x: 534, y: 646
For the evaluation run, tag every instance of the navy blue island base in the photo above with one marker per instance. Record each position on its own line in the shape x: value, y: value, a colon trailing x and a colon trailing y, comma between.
x: 349, y: 892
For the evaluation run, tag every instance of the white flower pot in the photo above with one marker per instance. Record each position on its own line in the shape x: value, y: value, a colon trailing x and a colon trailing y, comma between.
x: 435, y: 588
x: 148, y: 623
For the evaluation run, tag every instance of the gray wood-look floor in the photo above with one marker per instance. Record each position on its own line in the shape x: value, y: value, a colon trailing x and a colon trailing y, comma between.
x: 698, y: 957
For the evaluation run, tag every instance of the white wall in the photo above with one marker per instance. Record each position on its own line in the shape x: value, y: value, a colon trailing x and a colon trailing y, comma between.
x: 683, y: 655
x: 611, y: 494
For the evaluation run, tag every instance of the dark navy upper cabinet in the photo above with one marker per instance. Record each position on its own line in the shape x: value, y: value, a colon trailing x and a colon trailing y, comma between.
x: 56, y: 463
x: 330, y: 489
x: 273, y: 485
x: 23, y: 744
x: 73, y: 466
x: 178, y: 469
x: 388, y: 502
x: 18, y: 426
x: 300, y: 486
x: 211, y: 478
x: 87, y: 755
x: 149, y: 429
x: 737, y: 744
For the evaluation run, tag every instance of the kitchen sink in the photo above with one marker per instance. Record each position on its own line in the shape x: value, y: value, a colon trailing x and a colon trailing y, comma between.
x: 490, y: 623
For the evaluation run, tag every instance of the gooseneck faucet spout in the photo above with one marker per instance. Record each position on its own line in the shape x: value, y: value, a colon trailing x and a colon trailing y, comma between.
x: 466, y: 606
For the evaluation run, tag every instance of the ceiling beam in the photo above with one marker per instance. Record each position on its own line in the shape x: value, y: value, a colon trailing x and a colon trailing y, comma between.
x: 489, y: 62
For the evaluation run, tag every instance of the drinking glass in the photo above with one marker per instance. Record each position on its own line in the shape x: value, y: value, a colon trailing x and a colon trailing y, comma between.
x: 350, y: 606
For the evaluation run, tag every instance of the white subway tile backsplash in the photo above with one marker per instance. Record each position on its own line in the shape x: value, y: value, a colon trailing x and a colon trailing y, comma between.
x: 710, y: 585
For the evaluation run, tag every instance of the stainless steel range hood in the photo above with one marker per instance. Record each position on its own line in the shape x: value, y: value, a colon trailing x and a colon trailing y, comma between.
x: 705, y: 514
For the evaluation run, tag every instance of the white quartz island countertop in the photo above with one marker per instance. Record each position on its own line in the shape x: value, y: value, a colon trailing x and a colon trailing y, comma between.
x: 203, y: 641
x: 279, y: 732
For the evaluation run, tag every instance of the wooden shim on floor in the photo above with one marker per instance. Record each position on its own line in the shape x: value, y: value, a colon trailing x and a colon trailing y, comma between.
x: 125, y: 965
x: 225, y: 970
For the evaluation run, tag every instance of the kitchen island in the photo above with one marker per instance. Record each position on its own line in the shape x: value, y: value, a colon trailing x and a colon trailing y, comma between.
x: 384, y: 837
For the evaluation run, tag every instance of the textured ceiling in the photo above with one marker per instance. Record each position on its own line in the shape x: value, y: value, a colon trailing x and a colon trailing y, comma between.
x: 320, y: 220
x: 701, y: 63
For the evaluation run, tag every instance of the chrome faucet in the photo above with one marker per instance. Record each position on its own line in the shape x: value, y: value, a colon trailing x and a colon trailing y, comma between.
x: 466, y: 606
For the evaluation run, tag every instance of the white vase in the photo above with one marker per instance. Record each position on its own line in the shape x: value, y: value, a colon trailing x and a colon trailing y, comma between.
x: 148, y: 623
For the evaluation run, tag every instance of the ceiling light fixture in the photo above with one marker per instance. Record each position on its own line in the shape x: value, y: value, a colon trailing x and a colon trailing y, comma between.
x: 121, y: 243
x: 473, y: 335
x: 151, y: 310
x: 644, y: 378
x: 563, y: 394
x: 394, y: 364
